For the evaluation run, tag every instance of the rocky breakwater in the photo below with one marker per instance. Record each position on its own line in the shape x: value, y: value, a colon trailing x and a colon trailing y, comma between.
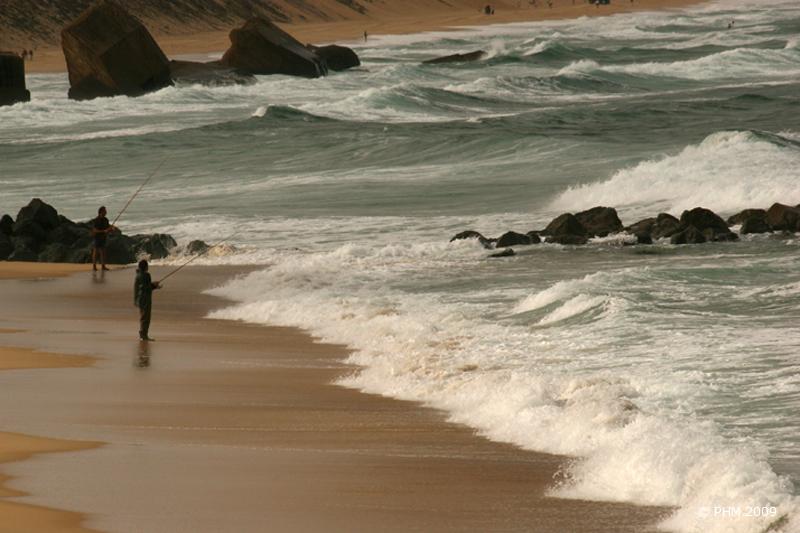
x: 12, y: 79
x: 695, y: 226
x: 110, y: 53
x: 39, y: 233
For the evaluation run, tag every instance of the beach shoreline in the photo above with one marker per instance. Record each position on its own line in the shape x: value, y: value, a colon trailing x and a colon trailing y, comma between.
x: 50, y: 59
x: 243, y: 406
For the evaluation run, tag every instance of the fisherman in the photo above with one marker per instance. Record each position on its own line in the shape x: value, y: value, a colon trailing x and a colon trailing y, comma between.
x: 100, y: 230
x: 143, y: 289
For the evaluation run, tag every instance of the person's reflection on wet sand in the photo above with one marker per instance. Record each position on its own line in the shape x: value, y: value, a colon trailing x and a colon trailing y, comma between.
x: 99, y: 277
x: 143, y: 356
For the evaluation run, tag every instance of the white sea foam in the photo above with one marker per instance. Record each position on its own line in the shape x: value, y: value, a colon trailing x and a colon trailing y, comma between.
x: 544, y: 386
x: 727, y: 172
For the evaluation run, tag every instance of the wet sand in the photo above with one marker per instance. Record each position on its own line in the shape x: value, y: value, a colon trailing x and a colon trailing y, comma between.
x: 409, y: 16
x: 222, y: 426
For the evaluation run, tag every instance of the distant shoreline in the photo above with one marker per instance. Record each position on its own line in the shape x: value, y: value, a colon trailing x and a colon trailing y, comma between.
x: 51, y: 60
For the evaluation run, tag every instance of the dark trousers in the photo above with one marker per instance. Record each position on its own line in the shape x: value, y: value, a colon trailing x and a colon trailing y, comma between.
x: 144, y: 320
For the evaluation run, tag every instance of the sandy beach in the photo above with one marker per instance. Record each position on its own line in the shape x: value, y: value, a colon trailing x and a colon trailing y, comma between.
x: 222, y: 426
x: 381, y: 19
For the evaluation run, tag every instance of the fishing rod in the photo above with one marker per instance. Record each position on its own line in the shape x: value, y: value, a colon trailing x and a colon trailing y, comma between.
x: 150, y: 177
x: 198, y: 256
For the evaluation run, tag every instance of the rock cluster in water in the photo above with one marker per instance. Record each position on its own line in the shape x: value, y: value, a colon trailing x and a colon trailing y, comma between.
x: 695, y: 226
x: 39, y: 233
x: 109, y: 53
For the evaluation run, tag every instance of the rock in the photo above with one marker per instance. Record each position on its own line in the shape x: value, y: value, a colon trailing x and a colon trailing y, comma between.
x: 470, y: 234
x: 477, y: 55
x: 54, y: 253
x: 37, y: 211
x: 534, y: 237
x: 783, y: 217
x: 120, y: 249
x: 740, y: 217
x: 197, y: 248
x: 110, y: 53
x: 566, y: 229
x: 643, y: 227
x: 644, y: 238
x: 69, y: 233
x: 12, y: 79
x: 336, y: 57
x: 31, y: 231
x: 703, y: 219
x: 508, y: 252
x: 755, y: 225
x: 6, y: 246
x: 213, y: 74
x: 156, y: 246
x: 6, y: 223
x: 512, y: 238
x: 666, y: 226
x: 260, y: 47
x: 22, y: 253
x: 600, y: 221
x: 689, y: 235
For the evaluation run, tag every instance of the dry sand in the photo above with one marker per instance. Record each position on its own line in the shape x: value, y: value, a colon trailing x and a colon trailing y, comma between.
x: 222, y: 426
x: 388, y: 18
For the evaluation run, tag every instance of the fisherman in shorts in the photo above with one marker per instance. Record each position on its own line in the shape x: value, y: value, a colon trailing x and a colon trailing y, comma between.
x: 100, y: 230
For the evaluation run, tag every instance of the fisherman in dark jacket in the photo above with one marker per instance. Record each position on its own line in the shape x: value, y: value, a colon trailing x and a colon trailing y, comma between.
x: 143, y: 298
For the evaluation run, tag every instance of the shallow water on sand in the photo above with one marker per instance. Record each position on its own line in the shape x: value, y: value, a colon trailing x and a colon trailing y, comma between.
x: 672, y: 371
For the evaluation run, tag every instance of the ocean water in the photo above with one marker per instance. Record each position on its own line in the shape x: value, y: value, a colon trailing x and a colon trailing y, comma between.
x: 671, y: 374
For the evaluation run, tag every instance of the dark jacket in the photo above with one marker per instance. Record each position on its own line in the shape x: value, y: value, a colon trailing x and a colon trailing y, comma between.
x: 143, y: 289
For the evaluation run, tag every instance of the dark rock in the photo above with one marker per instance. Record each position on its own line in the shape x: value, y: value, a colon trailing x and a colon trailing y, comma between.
x: 110, y: 53
x: 783, y: 217
x: 534, y: 237
x: 213, y: 74
x: 457, y: 58
x: 508, y: 252
x: 12, y: 79
x: 704, y: 219
x: 120, y: 249
x: 30, y: 230
x: 644, y: 238
x: 512, y: 238
x: 54, y: 253
x: 739, y: 218
x: 600, y: 221
x: 689, y: 235
x: 6, y: 223
x: 22, y: 253
x: 260, y: 47
x: 755, y: 225
x: 336, y: 57
x: 565, y: 224
x: 37, y: 211
x: 156, y: 246
x: 197, y: 248
x: 68, y: 233
x: 566, y: 229
x: 643, y: 227
x: 666, y: 226
x: 469, y: 234
x: 6, y: 247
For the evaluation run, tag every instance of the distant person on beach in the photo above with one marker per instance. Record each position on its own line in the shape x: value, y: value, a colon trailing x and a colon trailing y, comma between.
x: 30, y: 55
x: 100, y: 230
x: 143, y: 289
x: 365, y: 35
x: 25, y: 52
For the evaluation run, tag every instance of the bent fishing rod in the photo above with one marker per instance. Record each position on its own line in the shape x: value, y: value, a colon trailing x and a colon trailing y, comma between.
x: 150, y: 177
x: 198, y: 256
